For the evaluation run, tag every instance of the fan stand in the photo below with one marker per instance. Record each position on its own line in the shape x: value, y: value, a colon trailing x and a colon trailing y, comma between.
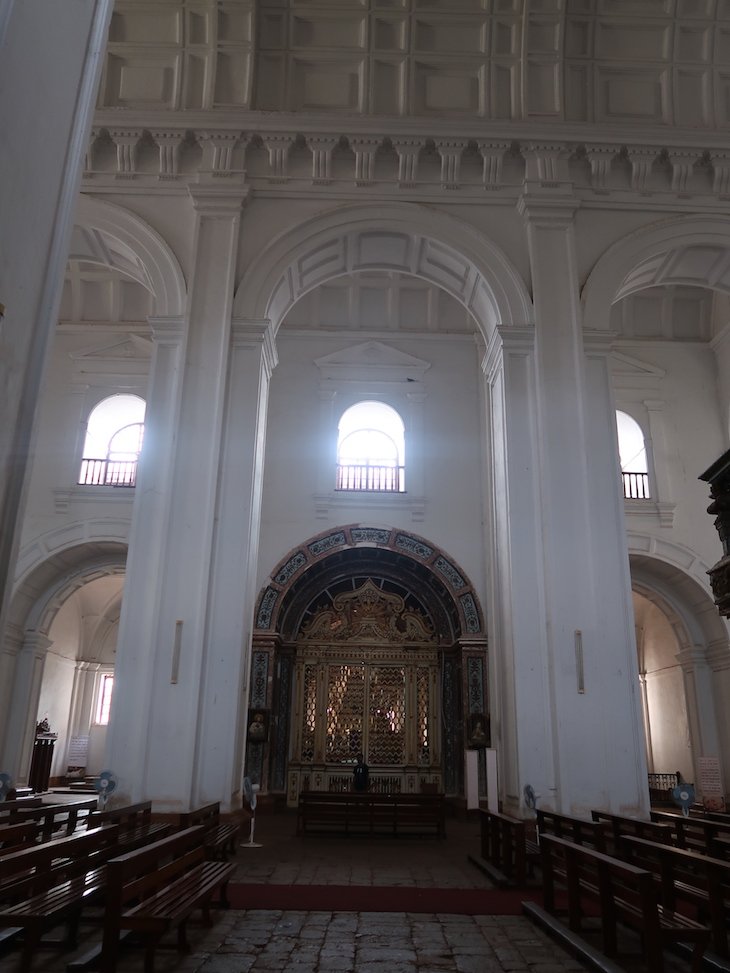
x: 251, y: 843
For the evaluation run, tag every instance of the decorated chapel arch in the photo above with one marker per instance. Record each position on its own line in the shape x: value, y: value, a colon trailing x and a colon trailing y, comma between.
x: 368, y: 640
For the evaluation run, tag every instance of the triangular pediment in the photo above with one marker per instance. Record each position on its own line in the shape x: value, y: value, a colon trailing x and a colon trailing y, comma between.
x: 131, y: 347
x: 374, y: 361
x: 631, y: 367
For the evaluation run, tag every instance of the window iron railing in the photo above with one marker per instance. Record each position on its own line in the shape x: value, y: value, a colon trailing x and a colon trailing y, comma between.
x: 636, y: 486
x: 373, y: 479
x: 108, y: 472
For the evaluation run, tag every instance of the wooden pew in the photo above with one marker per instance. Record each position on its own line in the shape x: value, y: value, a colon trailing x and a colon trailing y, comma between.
x: 507, y: 846
x: 48, y: 885
x: 623, y: 894
x: 220, y: 837
x: 687, y: 876
x: 699, y: 834
x: 155, y: 889
x: 16, y: 836
x: 8, y: 809
x: 371, y: 813
x: 135, y: 824
x: 579, y: 830
x: 664, y: 833
x: 53, y: 819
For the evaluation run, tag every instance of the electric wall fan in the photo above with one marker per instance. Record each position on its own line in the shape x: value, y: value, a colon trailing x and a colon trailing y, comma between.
x: 684, y: 796
x: 105, y: 785
x: 6, y: 784
x: 250, y: 790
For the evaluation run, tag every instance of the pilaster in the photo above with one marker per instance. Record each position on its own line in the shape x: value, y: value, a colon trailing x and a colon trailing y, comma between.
x: 162, y: 651
x: 583, y: 573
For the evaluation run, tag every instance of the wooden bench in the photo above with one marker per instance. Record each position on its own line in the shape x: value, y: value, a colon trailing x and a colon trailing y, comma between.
x: 687, y: 876
x: 578, y: 830
x: 371, y: 814
x: 220, y: 837
x: 699, y: 834
x: 48, y: 884
x: 52, y: 819
x: 155, y: 889
x: 623, y: 894
x: 620, y: 826
x: 507, y: 847
x: 16, y: 836
x: 9, y: 809
x: 135, y: 824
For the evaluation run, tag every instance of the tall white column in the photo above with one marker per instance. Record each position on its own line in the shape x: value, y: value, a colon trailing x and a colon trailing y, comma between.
x: 585, y: 594
x: 232, y: 591
x: 50, y: 61
x: 20, y: 735
x: 521, y: 718
x: 163, y: 653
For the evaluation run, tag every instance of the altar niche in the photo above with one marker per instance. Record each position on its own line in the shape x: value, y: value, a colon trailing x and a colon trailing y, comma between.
x: 365, y: 681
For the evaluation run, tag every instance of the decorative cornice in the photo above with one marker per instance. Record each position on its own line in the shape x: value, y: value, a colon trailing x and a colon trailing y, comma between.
x: 600, y: 166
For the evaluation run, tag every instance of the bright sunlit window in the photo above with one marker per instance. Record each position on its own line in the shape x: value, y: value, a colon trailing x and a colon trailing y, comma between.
x: 632, y: 456
x: 104, y: 700
x: 371, y: 449
x: 114, y: 434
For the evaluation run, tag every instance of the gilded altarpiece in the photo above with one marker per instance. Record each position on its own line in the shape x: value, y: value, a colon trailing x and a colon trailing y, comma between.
x: 366, y: 680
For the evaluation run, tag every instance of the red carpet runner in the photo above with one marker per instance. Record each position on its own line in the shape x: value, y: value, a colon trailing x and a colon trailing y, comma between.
x: 376, y: 898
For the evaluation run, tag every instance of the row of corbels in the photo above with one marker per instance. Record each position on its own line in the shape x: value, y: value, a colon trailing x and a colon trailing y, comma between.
x: 544, y: 162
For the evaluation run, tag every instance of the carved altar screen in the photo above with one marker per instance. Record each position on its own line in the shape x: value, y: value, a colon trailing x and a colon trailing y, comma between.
x: 366, y: 681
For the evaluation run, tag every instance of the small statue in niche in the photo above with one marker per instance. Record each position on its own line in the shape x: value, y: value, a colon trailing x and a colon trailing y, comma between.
x: 257, y: 730
x: 43, y: 727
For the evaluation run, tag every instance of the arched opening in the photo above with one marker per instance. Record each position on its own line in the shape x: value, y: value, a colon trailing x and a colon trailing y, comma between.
x: 682, y: 649
x: 371, y: 650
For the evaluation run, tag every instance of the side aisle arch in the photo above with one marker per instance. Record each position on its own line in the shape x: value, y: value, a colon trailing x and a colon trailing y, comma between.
x: 409, y: 572
x: 674, y: 580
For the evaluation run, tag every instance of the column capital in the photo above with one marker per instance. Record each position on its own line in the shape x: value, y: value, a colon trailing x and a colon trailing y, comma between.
x: 167, y: 330
x: 508, y: 340
x: 546, y: 211
x: 599, y: 343
x: 256, y: 334
x: 37, y: 643
x: 219, y: 201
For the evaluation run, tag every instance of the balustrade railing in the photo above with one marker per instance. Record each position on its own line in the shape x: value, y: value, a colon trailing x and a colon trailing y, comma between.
x: 373, y: 479
x: 636, y: 486
x: 108, y: 472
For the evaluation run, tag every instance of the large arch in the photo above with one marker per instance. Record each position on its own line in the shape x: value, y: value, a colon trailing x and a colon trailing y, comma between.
x: 684, y: 250
x: 670, y: 580
x: 426, y: 560
x: 406, y: 238
x: 114, y: 237
x: 334, y: 567
x: 36, y: 601
x: 681, y: 578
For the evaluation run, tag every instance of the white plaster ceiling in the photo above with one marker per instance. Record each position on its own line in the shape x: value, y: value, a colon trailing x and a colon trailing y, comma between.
x: 96, y: 294
x: 379, y: 302
x: 635, y: 62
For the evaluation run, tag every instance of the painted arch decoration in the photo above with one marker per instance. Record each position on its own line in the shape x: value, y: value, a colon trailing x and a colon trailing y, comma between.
x: 419, y: 550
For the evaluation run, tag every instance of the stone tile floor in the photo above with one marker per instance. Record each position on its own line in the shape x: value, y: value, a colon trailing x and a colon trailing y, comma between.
x: 337, y: 942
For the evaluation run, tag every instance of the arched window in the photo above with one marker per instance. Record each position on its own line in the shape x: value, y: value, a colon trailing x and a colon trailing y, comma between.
x: 632, y: 455
x: 371, y: 449
x: 113, y: 442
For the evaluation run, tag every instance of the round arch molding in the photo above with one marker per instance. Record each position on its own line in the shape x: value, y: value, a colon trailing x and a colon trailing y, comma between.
x: 354, y: 547
x: 679, y: 578
x: 44, y: 589
x: 114, y: 237
x: 404, y: 238
x: 686, y: 250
